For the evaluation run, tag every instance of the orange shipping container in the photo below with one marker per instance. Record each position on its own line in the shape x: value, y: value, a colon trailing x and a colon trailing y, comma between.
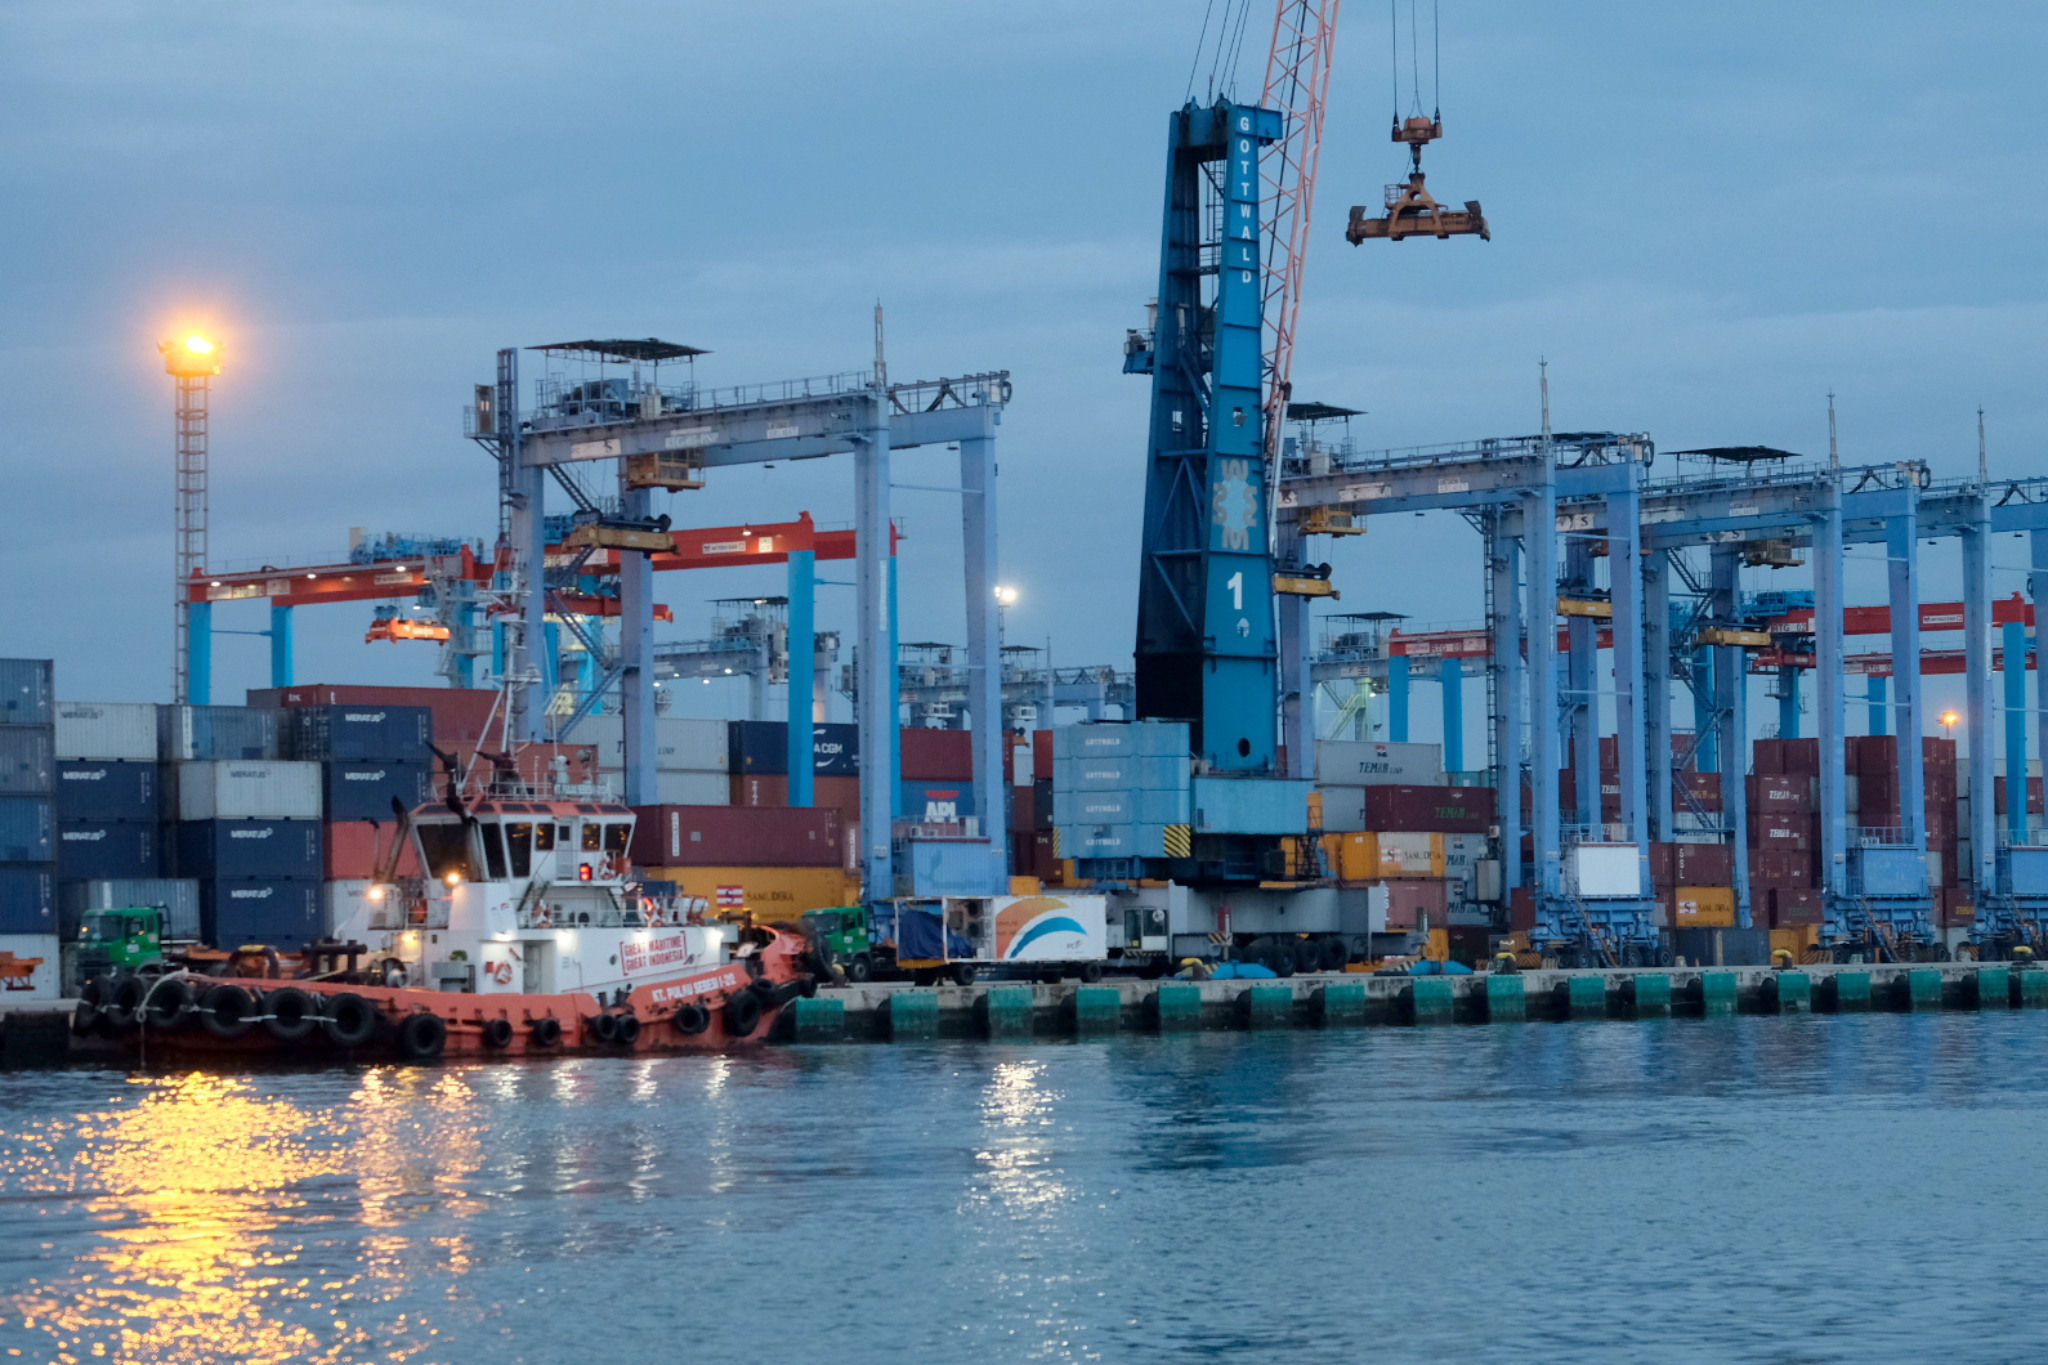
x: 1703, y: 907
x: 764, y: 893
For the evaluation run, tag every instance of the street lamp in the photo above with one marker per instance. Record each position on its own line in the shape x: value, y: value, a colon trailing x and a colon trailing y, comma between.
x: 1948, y: 724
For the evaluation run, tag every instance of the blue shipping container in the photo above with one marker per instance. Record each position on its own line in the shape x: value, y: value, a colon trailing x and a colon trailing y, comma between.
x: 952, y: 867
x: 761, y: 748
x: 27, y: 759
x: 106, y: 790
x: 364, y: 791
x: 1251, y: 805
x: 28, y: 829
x: 286, y: 915
x: 104, y: 850
x: 28, y: 692
x: 28, y: 899
x: 935, y: 803
x: 1144, y: 739
x: 359, y: 733
x: 1120, y: 774
x: 214, y: 850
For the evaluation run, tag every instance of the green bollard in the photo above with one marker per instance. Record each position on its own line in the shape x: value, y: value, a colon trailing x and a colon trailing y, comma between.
x: 913, y: 1014
x: 1794, y: 992
x: 1097, y: 1009
x: 1341, y: 1004
x: 1431, y: 1000
x: 1505, y: 998
x: 1650, y: 996
x: 1994, y: 988
x: 821, y: 1019
x: 1266, y: 1006
x: 1006, y: 1011
x: 1176, y: 1005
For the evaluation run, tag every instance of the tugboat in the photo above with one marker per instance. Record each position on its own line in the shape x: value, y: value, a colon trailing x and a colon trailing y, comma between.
x: 524, y: 934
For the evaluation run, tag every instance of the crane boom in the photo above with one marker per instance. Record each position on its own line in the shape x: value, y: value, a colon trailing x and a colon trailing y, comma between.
x: 1297, y: 85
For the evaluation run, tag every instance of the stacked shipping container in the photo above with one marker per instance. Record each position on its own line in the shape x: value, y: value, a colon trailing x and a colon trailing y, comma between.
x: 28, y: 844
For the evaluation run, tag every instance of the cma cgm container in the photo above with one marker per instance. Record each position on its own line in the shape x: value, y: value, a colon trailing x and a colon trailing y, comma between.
x: 28, y: 692
x: 365, y: 790
x: 354, y: 734
x: 96, y: 850
x: 119, y: 730
x: 217, y: 849
x: 106, y: 789
x: 286, y: 915
x: 735, y: 836
x: 762, y: 746
x: 28, y: 903
x: 248, y: 790
x: 28, y: 829
x: 187, y: 733
x: 27, y: 760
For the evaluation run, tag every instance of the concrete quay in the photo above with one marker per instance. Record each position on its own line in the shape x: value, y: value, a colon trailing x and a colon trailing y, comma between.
x: 888, y: 1011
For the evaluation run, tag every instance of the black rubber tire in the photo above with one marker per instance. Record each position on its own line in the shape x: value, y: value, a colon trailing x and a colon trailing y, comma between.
x: 349, y: 1020
x: 625, y: 1029
x: 227, y: 1010
x: 1279, y: 956
x: 94, y: 992
x: 961, y: 973
x: 1332, y: 954
x: 290, y: 1014
x: 170, y: 1004
x: 742, y: 1015
x: 1090, y: 973
x: 545, y: 1031
x: 604, y: 1028
x: 690, y: 1019
x: 421, y: 1037
x: 85, y: 1017
x: 860, y: 967
x: 123, y: 1007
x: 497, y: 1034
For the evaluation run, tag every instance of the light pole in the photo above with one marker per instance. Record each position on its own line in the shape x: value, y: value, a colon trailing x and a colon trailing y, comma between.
x: 192, y: 361
x: 1948, y: 724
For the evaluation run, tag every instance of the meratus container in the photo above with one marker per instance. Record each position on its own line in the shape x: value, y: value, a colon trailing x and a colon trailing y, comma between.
x: 28, y: 900
x: 359, y: 733
x: 100, y: 850
x: 248, y: 789
x: 365, y: 790
x: 121, y: 731
x: 213, y: 850
x: 28, y: 829
x: 107, y: 790
x: 281, y: 914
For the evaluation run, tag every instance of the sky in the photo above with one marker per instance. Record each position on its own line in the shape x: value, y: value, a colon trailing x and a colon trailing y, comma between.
x: 1704, y: 218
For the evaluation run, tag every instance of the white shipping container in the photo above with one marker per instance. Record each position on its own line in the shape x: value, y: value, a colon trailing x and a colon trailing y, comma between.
x: 1408, y: 855
x: 1045, y: 929
x: 107, y: 730
x: 1356, y: 763
x: 348, y: 906
x: 681, y: 743
x: 1607, y: 869
x: 248, y: 789
x: 1343, y: 809
x: 679, y: 789
x: 1462, y: 853
x: 42, y: 983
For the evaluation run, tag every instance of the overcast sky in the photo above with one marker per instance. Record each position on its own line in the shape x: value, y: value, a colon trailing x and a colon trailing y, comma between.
x: 1705, y: 216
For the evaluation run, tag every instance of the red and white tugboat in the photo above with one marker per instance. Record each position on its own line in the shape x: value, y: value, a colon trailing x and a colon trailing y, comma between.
x: 526, y: 935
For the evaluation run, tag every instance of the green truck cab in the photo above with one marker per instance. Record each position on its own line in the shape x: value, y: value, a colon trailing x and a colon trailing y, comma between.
x: 126, y: 939
x: 842, y: 934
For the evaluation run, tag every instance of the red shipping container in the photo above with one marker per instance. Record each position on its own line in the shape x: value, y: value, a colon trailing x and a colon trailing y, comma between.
x: 1776, y: 795
x: 1705, y: 864
x: 765, y: 789
x: 1041, y: 755
x: 1664, y: 865
x: 1704, y: 787
x: 1780, y: 833
x: 1938, y: 754
x: 1790, y: 907
x: 840, y: 794
x: 938, y: 755
x: 1023, y: 810
x: 1045, y: 861
x: 1411, y: 902
x: 1521, y: 911
x: 351, y: 850
x: 735, y: 836
x: 2034, y: 802
x: 1430, y: 810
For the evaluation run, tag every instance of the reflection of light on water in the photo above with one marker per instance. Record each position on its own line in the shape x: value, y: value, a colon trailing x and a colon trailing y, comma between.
x: 202, y: 1194
x: 1015, y: 1110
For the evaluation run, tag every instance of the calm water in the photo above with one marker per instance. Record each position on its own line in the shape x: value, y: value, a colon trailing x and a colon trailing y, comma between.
x: 1857, y: 1188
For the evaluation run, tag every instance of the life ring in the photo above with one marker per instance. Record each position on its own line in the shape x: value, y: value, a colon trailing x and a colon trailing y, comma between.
x: 543, y: 918
x: 625, y: 1029
x: 169, y: 1004
x: 497, y: 1034
x: 227, y: 1010
x: 545, y: 1031
x: 290, y: 1014
x: 742, y: 1015
x: 690, y: 1019
x: 421, y: 1037
x: 349, y: 1020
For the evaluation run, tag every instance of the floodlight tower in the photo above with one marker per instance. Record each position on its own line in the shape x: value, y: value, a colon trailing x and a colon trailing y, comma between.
x: 192, y: 361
